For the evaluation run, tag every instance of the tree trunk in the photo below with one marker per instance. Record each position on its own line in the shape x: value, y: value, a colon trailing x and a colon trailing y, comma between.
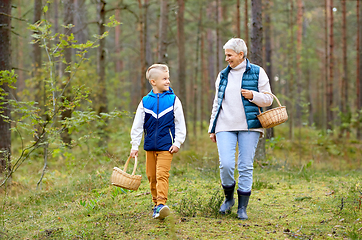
x: 20, y: 59
x: 246, y: 21
x: 37, y: 54
x: 256, y: 49
x: 204, y: 76
x: 298, y: 65
x: 5, y: 132
x: 117, y: 45
x: 162, y: 37
x: 223, y: 15
x: 181, y: 54
x: 79, y: 21
x: 56, y: 30
x: 142, y: 48
x: 291, y: 72
x: 310, y: 96
x: 331, y: 66
x: 238, y: 33
x: 147, y: 34
x: 195, y: 79
x: 56, y: 16
x: 257, y: 56
x: 326, y: 63
x: 360, y: 56
x: 345, y: 69
x: 211, y: 59
x: 268, y: 57
x: 218, y: 41
x: 68, y: 19
x: 101, y: 63
x: 359, y: 66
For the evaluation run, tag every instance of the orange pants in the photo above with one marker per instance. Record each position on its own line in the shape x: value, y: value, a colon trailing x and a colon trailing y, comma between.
x: 158, y: 165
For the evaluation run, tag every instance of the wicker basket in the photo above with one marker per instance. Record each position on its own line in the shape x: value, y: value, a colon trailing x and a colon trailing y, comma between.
x: 273, y: 117
x: 124, y: 180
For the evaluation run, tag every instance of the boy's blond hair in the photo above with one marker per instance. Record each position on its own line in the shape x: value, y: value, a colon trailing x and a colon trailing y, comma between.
x: 150, y: 73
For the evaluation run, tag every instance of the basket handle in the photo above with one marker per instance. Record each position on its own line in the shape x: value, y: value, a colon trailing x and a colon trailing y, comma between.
x: 135, y: 165
x: 274, y: 97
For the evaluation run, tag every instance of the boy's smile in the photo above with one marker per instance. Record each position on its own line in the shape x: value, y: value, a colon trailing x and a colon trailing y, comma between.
x: 161, y: 82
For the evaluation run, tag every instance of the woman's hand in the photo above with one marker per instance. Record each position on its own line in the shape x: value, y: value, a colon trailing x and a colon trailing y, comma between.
x: 248, y: 94
x: 213, y: 137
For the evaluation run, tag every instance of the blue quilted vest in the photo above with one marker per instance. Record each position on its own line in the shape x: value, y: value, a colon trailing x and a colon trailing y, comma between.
x: 250, y: 81
x: 159, y: 124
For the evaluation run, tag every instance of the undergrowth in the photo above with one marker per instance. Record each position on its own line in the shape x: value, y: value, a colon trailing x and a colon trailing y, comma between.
x: 292, y: 198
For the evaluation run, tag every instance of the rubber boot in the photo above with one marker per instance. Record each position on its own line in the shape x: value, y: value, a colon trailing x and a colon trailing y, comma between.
x: 229, y: 199
x: 242, y: 205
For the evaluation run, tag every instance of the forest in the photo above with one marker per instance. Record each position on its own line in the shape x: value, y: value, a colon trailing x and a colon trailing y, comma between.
x: 72, y: 73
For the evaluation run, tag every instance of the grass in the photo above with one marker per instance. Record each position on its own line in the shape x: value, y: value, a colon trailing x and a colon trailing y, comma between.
x: 292, y: 198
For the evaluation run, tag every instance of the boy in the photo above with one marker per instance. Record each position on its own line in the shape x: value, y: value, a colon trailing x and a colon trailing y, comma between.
x: 159, y: 115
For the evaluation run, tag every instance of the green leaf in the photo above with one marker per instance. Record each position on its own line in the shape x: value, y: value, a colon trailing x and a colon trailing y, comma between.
x: 45, y: 9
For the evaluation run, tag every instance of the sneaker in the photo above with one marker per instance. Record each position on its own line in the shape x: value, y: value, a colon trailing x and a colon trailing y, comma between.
x: 161, y: 211
x: 154, y: 211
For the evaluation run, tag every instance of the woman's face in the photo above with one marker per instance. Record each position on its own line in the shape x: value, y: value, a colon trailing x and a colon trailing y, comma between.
x: 233, y: 58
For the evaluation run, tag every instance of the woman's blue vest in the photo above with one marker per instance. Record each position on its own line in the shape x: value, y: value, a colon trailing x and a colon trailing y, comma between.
x: 250, y: 82
x: 159, y: 123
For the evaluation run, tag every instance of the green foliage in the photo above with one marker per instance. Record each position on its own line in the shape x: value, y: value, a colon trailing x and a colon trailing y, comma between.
x: 92, y: 203
x: 7, y: 78
x: 259, y: 184
x: 43, y: 122
x: 192, y: 204
x: 306, y: 171
x: 112, y: 22
x: 274, y: 142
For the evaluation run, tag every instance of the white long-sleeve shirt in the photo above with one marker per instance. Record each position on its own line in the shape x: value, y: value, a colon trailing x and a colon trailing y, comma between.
x: 232, y: 115
x: 137, y: 127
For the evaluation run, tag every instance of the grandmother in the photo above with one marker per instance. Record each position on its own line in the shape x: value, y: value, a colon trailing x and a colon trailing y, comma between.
x: 239, y: 93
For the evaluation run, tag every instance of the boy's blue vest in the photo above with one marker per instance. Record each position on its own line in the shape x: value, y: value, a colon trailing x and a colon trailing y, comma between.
x: 159, y: 124
x: 250, y: 81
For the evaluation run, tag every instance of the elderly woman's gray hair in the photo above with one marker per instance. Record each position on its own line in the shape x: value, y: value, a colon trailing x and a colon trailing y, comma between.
x: 237, y: 45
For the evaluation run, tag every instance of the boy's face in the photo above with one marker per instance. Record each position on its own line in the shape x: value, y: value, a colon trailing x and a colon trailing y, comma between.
x: 161, y: 82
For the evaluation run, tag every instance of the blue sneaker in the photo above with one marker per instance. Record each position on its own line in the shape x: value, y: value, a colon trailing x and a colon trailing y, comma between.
x: 161, y: 211
x: 154, y: 211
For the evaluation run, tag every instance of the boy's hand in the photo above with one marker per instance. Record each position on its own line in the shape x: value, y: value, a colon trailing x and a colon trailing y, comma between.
x: 173, y: 149
x: 134, y: 153
x: 213, y: 137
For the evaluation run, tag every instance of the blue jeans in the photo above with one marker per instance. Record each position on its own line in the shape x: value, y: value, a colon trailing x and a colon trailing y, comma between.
x: 226, y: 144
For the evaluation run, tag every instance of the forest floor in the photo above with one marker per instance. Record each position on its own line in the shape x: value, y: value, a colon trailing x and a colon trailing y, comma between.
x: 77, y: 201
